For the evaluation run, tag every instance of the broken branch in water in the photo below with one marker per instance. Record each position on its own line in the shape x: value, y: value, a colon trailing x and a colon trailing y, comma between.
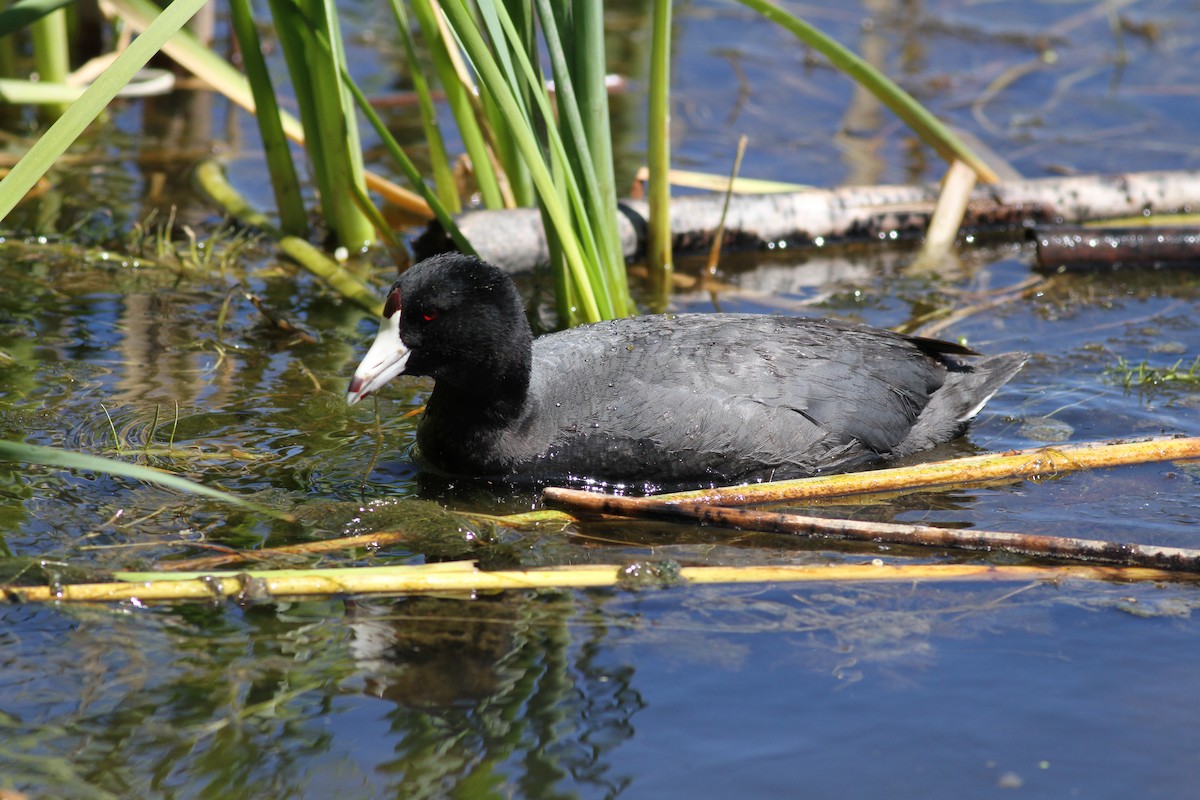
x: 946, y: 219
x: 465, y: 576
x: 1175, y: 559
x: 1023, y: 464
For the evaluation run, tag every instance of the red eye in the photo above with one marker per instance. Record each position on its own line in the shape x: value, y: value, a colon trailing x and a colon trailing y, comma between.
x: 430, y: 316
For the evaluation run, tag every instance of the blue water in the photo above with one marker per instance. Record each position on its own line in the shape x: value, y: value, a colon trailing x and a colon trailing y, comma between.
x: 826, y: 691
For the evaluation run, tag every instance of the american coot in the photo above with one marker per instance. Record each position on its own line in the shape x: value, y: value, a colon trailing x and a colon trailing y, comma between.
x: 657, y: 401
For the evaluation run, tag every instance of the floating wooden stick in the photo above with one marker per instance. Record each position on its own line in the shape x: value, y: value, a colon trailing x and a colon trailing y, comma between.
x: 1175, y: 559
x: 465, y: 577
x: 1041, y: 462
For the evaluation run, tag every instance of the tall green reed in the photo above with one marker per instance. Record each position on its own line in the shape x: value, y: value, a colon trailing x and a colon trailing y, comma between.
x: 523, y: 141
x: 658, y: 156
x: 553, y: 144
x: 68, y: 127
x: 293, y: 219
x: 326, y: 112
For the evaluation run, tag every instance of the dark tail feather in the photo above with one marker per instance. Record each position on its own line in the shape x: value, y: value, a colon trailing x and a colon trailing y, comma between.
x: 966, y: 391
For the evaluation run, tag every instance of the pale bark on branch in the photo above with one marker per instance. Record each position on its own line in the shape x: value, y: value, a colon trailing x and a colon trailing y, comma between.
x: 515, y: 240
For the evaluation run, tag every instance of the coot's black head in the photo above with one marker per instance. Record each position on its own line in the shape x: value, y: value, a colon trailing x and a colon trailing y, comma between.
x: 454, y: 318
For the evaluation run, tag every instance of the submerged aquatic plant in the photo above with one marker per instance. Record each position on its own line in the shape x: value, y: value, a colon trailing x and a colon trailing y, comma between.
x: 1143, y: 376
x: 164, y: 242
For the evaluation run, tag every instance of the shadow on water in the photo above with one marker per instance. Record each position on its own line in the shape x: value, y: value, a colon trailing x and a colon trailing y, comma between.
x: 409, y: 697
x: 118, y: 337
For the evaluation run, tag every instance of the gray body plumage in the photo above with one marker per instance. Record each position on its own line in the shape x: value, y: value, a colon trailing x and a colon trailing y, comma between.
x: 719, y: 398
x: 660, y: 401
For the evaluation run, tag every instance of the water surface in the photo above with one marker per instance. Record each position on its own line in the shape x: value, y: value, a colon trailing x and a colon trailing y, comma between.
x: 921, y: 689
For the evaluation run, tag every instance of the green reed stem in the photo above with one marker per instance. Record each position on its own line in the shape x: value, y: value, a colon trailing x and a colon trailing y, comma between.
x: 331, y: 133
x: 50, y: 145
x: 443, y: 172
x: 293, y: 218
x: 658, y: 158
x: 491, y: 76
x: 463, y: 104
x: 51, y: 54
x: 406, y: 165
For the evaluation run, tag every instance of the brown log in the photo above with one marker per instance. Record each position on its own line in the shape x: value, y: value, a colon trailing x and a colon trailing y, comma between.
x: 514, y: 239
x: 1071, y: 248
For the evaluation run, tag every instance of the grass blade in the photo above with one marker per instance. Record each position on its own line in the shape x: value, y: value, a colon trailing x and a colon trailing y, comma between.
x: 410, y: 169
x: 460, y: 96
x: 80, y: 114
x: 189, y: 53
x: 602, y: 280
x: 491, y: 75
x: 53, y: 457
x: 515, y: 169
x: 312, y: 47
x: 597, y: 216
x: 23, y: 13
